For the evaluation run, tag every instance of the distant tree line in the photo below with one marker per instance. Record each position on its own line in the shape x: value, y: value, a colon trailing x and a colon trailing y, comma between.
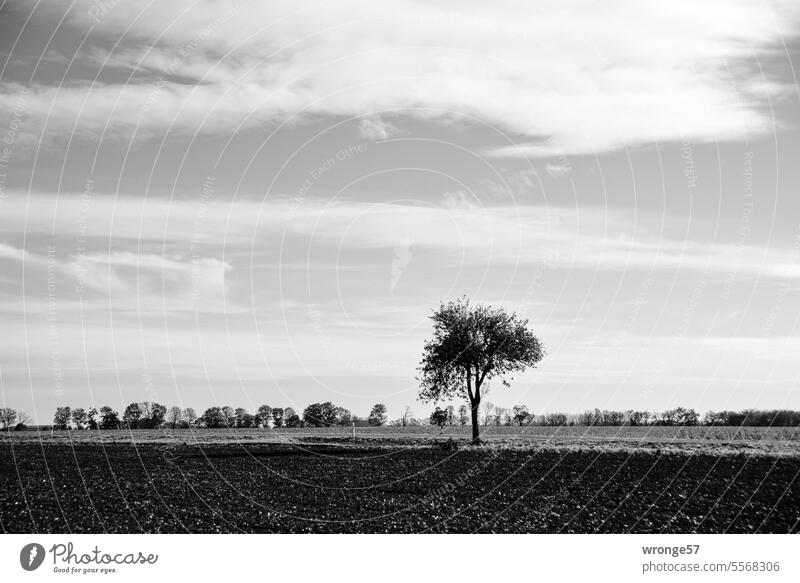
x: 12, y: 419
x: 680, y: 416
x: 146, y: 415
x: 520, y: 415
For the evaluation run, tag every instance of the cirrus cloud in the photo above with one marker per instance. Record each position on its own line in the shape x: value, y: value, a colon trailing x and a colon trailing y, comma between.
x: 568, y: 78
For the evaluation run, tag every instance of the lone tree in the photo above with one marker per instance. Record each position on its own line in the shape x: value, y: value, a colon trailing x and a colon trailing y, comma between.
x: 470, y: 345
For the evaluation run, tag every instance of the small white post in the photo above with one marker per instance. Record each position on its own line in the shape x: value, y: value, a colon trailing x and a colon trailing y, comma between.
x: 354, y: 429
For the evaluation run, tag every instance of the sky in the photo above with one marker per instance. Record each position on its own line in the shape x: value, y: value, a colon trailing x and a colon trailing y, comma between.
x: 239, y: 203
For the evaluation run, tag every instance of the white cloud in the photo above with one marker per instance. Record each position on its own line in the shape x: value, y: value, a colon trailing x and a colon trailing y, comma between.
x: 459, y: 201
x: 11, y: 252
x: 558, y: 170
x: 375, y: 128
x: 130, y: 280
x: 183, y: 278
x: 589, y: 238
x: 573, y: 77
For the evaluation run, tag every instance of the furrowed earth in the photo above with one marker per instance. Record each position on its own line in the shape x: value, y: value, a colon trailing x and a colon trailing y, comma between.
x: 266, y: 481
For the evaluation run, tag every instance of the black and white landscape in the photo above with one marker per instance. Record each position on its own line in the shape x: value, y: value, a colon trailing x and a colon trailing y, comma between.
x: 401, y: 266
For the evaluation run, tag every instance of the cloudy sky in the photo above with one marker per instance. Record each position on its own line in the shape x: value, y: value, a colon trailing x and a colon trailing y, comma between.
x: 261, y: 202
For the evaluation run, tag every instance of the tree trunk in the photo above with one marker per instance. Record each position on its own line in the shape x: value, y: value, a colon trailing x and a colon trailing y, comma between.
x: 475, y: 427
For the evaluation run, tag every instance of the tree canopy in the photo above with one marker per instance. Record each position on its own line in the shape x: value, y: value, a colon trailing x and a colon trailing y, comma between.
x: 472, y: 344
x: 377, y: 416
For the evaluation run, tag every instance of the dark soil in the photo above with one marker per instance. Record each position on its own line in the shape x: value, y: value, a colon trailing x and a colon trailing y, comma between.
x: 269, y: 488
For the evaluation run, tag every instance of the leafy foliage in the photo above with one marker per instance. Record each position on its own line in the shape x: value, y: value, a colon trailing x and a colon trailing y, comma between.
x: 325, y: 414
x: 62, y: 418
x: 521, y: 414
x: 79, y: 418
x: 463, y: 415
x: 439, y: 417
x: 7, y: 417
x: 132, y: 415
x: 213, y: 418
x: 189, y: 416
x: 109, y: 419
x: 263, y: 415
x: 377, y: 416
x: 174, y: 415
x: 470, y: 345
